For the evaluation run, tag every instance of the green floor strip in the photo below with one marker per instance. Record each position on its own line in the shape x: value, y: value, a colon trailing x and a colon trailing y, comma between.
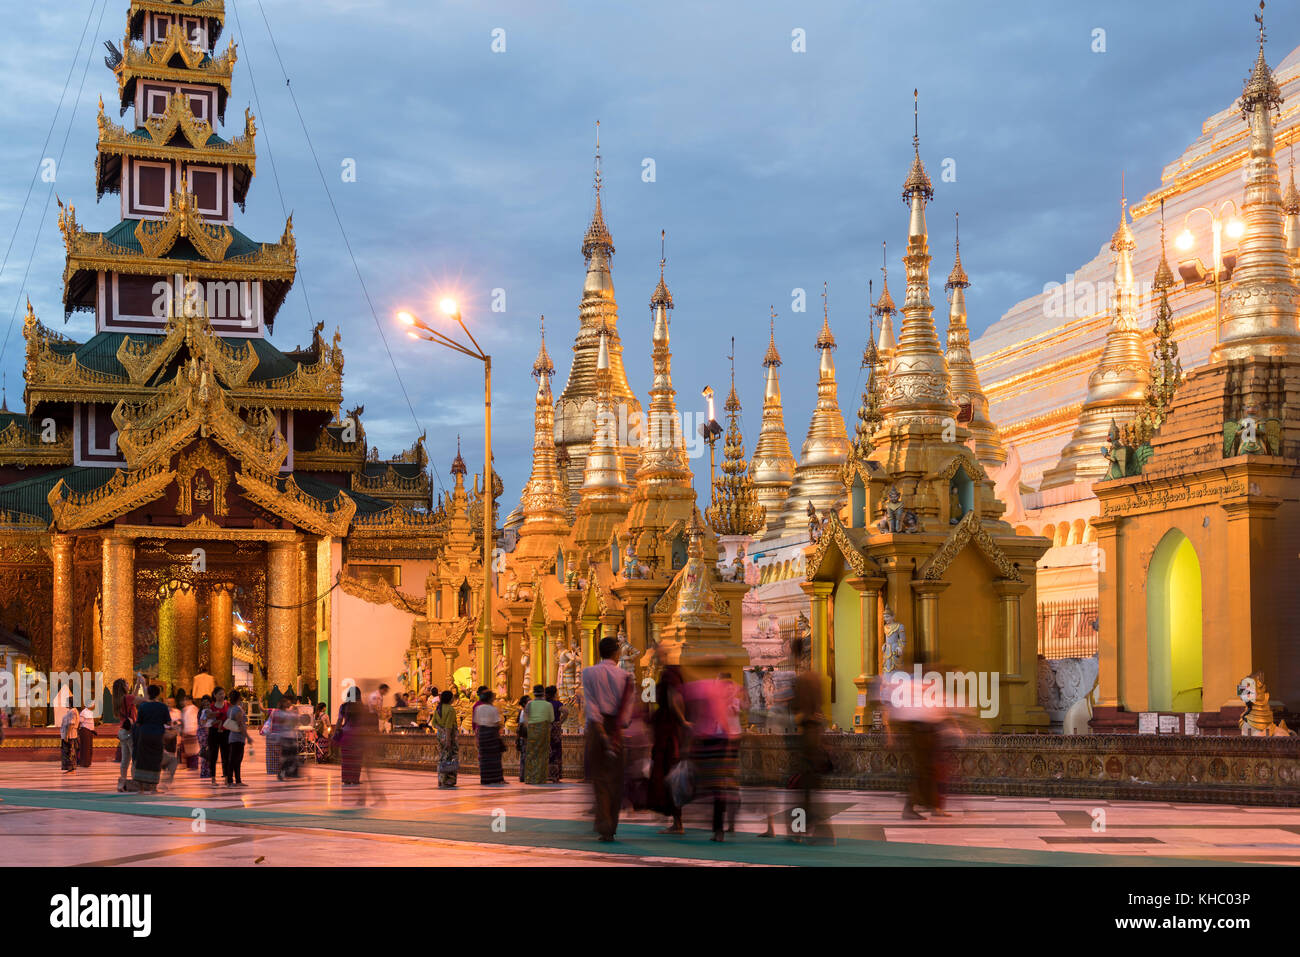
x: 636, y: 840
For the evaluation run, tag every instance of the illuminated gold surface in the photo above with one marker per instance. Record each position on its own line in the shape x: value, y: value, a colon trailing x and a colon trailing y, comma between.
x: 281, y: 615
x: 773, y: 464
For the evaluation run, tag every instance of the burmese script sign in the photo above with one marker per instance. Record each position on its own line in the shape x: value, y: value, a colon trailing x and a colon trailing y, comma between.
x: 1161, y: 499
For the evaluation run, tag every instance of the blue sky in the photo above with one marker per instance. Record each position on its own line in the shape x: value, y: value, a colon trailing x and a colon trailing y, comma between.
x: 773, y: 170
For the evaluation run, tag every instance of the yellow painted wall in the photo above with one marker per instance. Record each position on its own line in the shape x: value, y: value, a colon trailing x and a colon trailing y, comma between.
x: 848, y: 653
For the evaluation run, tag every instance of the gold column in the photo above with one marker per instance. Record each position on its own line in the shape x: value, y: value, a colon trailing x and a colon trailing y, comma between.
x: 281, y: 614
x: 306, y: 614
x: 868, y: 589
x: 168, y: 645
x: 821, y: 638
x: 118, y: 622
x: 61, y: 657
x: 1009, y: 593
x: 187, y: 635
x: 538, y: 652
x: 928, y: 593
x: 1109, y: 638
x: 449, y: 656
x: 221, y: 614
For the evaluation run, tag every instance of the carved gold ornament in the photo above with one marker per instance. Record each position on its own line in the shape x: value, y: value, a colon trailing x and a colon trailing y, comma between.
x: 203, y: 456
x: 969, y: 530
x: 124, y: 492
x: 153, y: 61
x: 117, y: 140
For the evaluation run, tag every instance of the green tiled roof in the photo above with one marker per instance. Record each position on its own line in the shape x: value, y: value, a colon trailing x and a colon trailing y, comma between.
x: 123, y: 234
x: 404, y: 469
x: 99, y: 353
x: 328, y: 492
x: 29, y: 495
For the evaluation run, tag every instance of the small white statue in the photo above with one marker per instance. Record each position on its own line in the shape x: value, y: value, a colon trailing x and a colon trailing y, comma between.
x: 526, y: 668
x: 569, y: 662
x: 891, y: 644
x: 627, y: 653
x: 501, y: 673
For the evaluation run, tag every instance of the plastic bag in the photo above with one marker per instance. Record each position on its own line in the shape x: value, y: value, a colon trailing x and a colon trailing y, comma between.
x: 681, y: 783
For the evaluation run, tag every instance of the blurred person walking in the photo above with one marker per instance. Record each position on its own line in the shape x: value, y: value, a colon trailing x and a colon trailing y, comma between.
x: 218, y: 736
x: 714, y: 747
x: 189, y: 748
x: 348, y: 730
x: 669, y: 727
x: 922, y: 726
x: 521, y: 734
x: 607, y: 690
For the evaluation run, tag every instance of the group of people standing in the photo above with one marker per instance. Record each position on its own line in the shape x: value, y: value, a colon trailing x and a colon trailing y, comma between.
x: 154, y: 736
x: 537, y: 738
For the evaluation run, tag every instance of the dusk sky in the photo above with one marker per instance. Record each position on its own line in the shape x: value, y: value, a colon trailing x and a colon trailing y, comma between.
x: 774, y: 170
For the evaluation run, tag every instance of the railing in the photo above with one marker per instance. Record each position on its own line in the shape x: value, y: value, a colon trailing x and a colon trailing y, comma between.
x: 1068, y: 629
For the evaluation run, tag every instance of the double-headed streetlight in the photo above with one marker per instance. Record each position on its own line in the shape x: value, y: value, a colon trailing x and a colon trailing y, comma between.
x: 417, y: 329
x: 1218, y: 225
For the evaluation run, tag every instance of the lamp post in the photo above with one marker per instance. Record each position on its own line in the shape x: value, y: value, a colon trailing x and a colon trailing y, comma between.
x: 1235, y: 229
x: 710, y: 429
x: 419, y: 330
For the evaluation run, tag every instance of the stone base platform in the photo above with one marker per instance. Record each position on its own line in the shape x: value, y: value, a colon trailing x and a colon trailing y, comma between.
x: 42, y: 744
x: 1210, y: 770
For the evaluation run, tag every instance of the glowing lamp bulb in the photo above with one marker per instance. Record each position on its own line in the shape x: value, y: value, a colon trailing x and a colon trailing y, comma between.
x: 406, y: 318
x: 1185, y: 240
x: 448, y: 307
x: 1235, y: 228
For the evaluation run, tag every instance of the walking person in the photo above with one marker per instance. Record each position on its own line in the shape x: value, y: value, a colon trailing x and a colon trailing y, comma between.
x: 171, y: 748
x: 555, y: 760
x: 540, y: 717
x: 86, y: 737
x: 189, y: 750
x: 487, y: 726
x: 236, y: 726
x: 68, y: 726
x: 320, y: 732
x: 607, y: 689
x: 708, y: 702
x: 348, y: 730
x: 444, y: 724
x: 124, y: 708
x: 205, y: 718
x: 218, y: 736
x: 152, y: 720
x: 669, y: 727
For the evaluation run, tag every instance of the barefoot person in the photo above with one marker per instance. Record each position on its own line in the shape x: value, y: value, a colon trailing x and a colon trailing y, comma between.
x: 607, y: 689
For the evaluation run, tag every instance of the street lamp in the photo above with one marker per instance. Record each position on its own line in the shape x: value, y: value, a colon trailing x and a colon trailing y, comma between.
x: 1234, y: 227
x: 417, y: 329
x: 710, y: 430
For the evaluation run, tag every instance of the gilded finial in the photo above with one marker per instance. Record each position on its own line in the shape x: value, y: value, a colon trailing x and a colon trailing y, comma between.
x: 597, y: 236
x: 773, y: 358
x: 543, y: 366
x: 734, y: 509
x: 598, y: 157
x: 918, y: 180
x: 661, y: 296
x: 1123, y: 236
x: 885, y: 306
x: 1291, y: 198
x: 824, y: 339
x: 957, y: 279
x: 1261, y: 90
x: 458, y: 463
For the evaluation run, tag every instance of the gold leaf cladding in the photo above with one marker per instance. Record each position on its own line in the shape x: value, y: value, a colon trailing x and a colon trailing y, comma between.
x: 183, y: 221
x: 381, y: 593
x: 295, y: 505
x: 833, y: 535
x: 968, y: 530
x: 141, y: 358
x: 154, y: 60
x: 162, y: 130
x: 22, y: 446
x: 123, y: 492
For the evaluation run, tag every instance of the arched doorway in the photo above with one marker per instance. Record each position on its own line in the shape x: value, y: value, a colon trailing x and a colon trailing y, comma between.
x: 1174, y: 677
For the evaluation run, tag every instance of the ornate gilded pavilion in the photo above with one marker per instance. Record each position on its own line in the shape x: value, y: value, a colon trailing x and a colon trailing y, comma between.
x: 178, y: 491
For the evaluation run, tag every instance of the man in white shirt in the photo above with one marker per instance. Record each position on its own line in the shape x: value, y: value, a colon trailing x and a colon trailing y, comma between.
x: 607, y: 699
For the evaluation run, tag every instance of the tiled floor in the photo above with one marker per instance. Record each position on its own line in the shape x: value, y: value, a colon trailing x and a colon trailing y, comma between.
x: 47, y: 817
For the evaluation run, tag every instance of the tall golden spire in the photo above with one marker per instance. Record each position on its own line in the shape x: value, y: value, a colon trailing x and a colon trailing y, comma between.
x: 735, y: 509
x: 884, y: 308
x: 1117, y: 387
x: 964, y: 380
x: 663, y: 461
x: 598, y: 310
x: 1291, y: 206
x: 826, y: 447
x: 869, y: 415
x: 603, y: 476
x: 1261, y: 309
x: 545, y: 500
x: 772, y: 467
x: 918, y: 376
